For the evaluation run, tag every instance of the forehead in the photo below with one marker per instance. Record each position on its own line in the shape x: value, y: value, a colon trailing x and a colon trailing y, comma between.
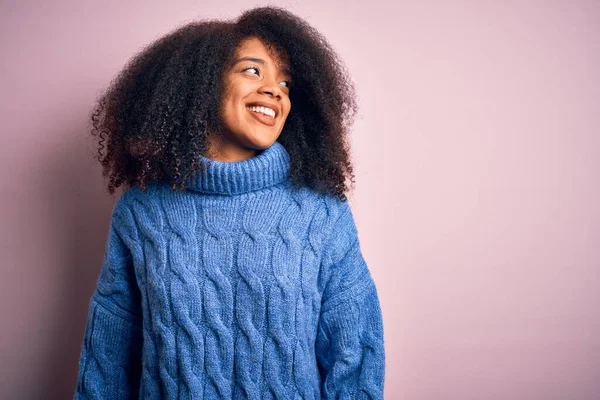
x: 255, y: 48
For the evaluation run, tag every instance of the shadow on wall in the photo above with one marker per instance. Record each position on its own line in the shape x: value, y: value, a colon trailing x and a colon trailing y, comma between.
x: 84, y: 208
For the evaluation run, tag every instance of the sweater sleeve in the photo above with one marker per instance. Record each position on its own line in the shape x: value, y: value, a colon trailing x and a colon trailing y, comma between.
x: 110, y: 360
x: 349, y: 346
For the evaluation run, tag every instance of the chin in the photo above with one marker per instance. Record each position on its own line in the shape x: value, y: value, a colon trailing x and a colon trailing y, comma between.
x: 261, y: 143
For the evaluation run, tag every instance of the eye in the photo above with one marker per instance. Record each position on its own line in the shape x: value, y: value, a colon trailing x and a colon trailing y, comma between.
x: 252, y: 68
x: 285, y: 83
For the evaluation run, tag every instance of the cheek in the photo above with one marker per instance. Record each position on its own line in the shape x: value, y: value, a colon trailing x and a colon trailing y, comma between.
x: 229, y: 105
x: 230, y: 93
x: 288, y: 108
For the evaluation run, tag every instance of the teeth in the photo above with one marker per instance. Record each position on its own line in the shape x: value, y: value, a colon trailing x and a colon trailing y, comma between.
x: 264, y: 110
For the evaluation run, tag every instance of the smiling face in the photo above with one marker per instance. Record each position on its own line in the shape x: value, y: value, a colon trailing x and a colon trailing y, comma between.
x: 255, y: 104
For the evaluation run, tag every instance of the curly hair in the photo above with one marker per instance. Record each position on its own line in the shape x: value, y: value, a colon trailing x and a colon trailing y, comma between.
x: 151, y: 123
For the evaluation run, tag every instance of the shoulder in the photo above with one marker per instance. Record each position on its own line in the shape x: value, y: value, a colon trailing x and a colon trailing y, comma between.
x: 339, y: 213
x: 135, y: 207
x: 323, y: 209
x: 134, y: 195
x: 328, y: 204
x: 152, y: 200
x: 334, y: 219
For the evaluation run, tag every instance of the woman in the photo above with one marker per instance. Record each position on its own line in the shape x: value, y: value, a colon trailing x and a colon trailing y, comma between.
x: 232, y: 267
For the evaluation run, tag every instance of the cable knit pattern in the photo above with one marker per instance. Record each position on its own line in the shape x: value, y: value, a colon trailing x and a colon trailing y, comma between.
x: 240, y: 287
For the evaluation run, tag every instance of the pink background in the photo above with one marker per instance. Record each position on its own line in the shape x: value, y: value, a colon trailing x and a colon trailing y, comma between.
x: 477, y: 156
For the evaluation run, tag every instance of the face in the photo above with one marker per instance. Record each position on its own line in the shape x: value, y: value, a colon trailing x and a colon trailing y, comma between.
x: 255, y: 104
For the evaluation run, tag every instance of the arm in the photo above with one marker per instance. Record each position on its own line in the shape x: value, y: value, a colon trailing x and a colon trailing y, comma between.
x: 350, y: 347
x: 110, y: 361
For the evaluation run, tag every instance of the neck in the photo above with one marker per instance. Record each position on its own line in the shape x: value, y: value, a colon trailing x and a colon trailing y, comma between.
x: 269, y: 167
x: 220, y: 149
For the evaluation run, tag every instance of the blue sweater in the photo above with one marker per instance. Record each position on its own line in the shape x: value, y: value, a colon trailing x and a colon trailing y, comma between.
x: 237, y: 287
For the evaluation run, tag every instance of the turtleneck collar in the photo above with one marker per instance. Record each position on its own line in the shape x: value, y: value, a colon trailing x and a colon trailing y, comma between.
x: 268, y: 168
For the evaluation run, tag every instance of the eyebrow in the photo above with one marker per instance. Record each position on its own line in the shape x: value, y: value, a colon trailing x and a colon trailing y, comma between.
x: 256, y: 60
x: 260, y: 61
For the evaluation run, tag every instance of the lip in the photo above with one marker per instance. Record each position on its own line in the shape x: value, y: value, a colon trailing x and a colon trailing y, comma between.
x: 262, y: 118
x: 264, y: 104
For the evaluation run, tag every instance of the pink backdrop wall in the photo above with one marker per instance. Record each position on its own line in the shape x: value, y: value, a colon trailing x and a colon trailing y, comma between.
x: 477, y: 158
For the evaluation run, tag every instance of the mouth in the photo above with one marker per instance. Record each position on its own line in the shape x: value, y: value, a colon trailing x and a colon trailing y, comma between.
x: 265, y: 115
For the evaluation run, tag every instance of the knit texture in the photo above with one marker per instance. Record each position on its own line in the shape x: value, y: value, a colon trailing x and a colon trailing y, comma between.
x: 239, y: 287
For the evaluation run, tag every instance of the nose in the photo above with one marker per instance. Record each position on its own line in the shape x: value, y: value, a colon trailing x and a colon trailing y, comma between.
x: 270, y: 89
